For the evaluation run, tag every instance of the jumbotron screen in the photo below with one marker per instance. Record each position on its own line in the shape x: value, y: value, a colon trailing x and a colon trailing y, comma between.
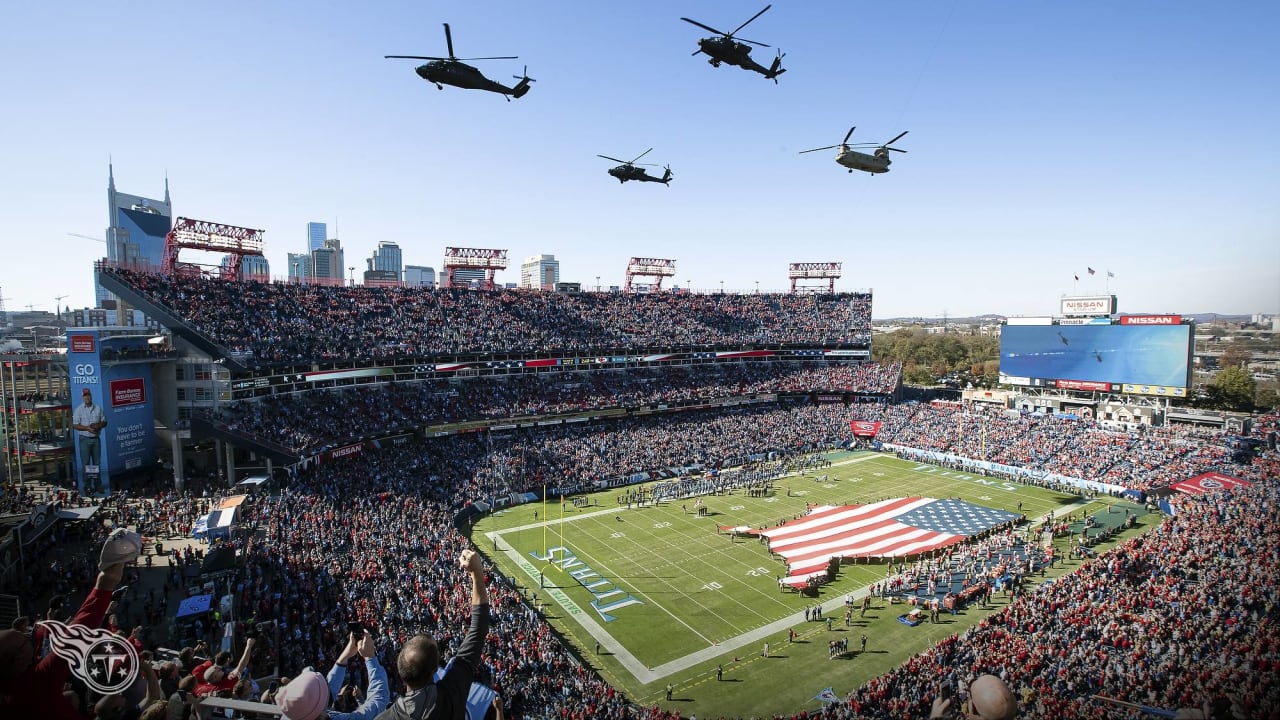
x: 1146, y: 359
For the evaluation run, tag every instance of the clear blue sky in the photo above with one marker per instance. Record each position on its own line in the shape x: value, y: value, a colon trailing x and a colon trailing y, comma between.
x: 1045, y: 137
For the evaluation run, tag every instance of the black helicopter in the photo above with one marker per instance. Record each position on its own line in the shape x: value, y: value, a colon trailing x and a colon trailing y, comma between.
x: 630, y: 171
x: 725, y: 49
x: 452, y: 71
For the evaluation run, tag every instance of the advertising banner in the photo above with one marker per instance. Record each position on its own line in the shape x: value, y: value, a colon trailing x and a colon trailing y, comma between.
x: 1089, y: 305
x: 1083, y: 385
x: 1161, y: 390
x: 116, y: 398
x: 1151, y: 320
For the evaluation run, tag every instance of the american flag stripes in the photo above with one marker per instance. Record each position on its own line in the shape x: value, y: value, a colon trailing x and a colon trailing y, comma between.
x: 891, y: 528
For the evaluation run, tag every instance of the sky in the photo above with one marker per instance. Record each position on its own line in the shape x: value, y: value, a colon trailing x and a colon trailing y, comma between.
x: 1138, y: 138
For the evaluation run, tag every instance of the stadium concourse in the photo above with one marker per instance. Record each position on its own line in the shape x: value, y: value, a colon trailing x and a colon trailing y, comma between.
x: 1182, y: 615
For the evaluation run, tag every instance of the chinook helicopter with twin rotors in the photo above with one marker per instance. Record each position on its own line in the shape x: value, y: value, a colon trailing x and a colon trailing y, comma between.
x: 631, y: 171
x: 452, y: 71
x: 726, y: 49
x: 876, y: 162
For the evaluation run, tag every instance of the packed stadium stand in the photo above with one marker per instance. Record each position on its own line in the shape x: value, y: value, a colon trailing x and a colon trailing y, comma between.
x: 1185, y: 613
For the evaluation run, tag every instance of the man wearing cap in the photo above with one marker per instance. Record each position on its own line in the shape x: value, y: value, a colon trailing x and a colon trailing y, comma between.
x: 88, y: 421
x: 446, y: 698
x: 307, y: 696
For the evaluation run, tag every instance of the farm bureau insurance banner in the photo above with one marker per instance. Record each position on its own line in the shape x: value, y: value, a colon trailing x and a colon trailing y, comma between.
x: 123, y: 391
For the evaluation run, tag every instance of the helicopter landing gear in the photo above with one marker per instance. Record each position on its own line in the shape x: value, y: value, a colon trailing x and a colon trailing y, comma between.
x: 439, y: 86
x: 714, y: 63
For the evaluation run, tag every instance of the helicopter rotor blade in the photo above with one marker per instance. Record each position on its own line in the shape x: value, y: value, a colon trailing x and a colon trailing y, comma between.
x: 894, y: 149
x: 448, y: 39
x: 752, y: 42
x: 414, y: 57
x: 817, y: 149
x: 848, y: 135
x: 904, y: 132
x: 606, y: 157
x: 505, y: 57
x: 753, y: 17
x: 704, y: 27
x: 646, y: 152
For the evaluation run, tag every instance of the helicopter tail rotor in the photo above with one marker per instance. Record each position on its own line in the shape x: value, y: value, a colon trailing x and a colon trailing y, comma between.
x: 776, y: 68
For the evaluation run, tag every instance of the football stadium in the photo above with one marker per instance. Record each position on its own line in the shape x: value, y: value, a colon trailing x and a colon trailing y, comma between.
x: 683, y: 504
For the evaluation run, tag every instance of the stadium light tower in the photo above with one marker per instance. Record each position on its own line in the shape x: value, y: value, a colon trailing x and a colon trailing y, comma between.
x: 456, y: 258
x: 650, y: 267
x: 237, y: 242
x: 829, y: 271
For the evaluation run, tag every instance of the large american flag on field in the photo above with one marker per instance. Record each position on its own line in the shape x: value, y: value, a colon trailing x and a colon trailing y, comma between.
x: 889, y: 528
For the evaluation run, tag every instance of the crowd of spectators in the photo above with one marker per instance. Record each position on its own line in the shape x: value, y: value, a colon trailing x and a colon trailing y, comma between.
x: 306, y: 422
x: 290, y: 323
x: 1139, y: 459
x: 1184, y: 613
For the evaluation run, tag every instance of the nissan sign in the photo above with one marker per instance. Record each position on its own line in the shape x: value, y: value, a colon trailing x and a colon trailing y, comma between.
x: 1151, y: 320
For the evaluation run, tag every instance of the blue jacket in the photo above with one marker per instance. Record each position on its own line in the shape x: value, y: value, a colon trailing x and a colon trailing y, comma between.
x: 376, y: 696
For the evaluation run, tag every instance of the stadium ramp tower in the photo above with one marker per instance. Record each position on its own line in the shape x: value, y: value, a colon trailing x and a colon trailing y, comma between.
x: 169, y: 320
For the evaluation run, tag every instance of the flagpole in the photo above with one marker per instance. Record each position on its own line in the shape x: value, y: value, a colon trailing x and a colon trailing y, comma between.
x: 1108, y: 285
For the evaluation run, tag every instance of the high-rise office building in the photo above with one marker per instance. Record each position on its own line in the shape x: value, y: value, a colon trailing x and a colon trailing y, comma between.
x: 299, y: 267
x: 317, y: 233
x: 419, y: 276
x: 386, y: 258
x: 136, y: 230
x: 326, y: 263
x: 540, y: 272
x: 252, y: 267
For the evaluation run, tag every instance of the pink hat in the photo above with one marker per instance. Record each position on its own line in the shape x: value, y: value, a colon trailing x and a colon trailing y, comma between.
x: 305, y: 697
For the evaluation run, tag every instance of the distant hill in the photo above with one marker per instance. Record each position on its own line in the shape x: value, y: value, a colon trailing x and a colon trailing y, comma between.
x: 993, y: 317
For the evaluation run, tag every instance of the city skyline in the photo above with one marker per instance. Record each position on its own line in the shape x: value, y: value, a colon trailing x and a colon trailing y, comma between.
x: 1043, y: 141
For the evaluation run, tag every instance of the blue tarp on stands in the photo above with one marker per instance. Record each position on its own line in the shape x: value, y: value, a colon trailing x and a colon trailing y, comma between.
x: 194, y: 606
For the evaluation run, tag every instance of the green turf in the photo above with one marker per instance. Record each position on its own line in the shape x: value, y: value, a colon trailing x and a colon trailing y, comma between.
x: 688, y: 598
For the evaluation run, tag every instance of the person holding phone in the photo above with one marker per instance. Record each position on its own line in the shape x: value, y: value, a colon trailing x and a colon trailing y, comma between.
x: 307, y: 696
x: 431, y: 699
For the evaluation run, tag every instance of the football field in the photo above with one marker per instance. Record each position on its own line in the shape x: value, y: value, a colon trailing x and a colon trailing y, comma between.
x: 668, y: 598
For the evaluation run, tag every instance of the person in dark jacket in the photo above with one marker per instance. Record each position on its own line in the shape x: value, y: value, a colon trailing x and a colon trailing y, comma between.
x: 444, y: 699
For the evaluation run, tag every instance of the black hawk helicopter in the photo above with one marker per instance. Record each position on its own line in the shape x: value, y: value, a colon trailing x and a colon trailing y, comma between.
x: 452, y: 71
x: 725, y: 49
x: 876, y: 162
x: 630, y: 171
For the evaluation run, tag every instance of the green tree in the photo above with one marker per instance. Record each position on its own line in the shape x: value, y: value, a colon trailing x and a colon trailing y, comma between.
x: 1266, y: 400
x: 1234, y: 388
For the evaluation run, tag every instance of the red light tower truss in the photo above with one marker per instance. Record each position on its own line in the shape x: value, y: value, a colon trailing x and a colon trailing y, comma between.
x: 237, y: 242
x: 650, y: 267
x: 829, y: 271
x: 490, y: 261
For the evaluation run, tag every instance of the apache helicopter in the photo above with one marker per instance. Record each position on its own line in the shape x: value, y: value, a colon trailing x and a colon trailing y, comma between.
x: 725, y: 49
x: 878, y: 162
x: 452, y: 71
x: 630, y: 171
